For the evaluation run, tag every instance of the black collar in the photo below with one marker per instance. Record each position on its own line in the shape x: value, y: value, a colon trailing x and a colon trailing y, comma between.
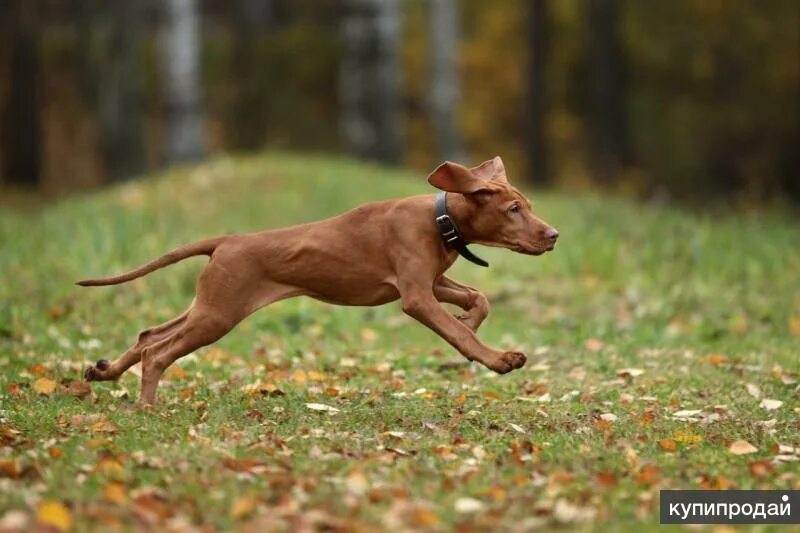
x: 450, y: 234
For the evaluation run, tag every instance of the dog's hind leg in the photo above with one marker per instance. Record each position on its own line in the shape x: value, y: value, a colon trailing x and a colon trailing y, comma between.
x: 104, y: 370
x: 214, y: 314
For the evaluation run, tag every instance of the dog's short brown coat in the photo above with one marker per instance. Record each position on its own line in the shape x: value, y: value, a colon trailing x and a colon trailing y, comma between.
x: 372, y: 255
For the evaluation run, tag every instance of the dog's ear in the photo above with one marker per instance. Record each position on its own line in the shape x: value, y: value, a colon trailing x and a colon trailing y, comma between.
x: 452, y: 177
x: 491, y: 169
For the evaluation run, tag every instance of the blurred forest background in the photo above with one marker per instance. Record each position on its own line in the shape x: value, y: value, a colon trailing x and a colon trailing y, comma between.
x: 685, y: 100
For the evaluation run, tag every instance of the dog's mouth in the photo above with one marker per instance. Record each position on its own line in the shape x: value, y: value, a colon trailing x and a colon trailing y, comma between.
x: 536, y: 249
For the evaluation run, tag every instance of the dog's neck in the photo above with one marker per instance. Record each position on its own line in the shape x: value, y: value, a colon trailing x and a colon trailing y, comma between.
x: 460, y: 210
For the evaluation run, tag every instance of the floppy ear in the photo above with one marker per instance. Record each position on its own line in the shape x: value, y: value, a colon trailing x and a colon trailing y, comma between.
x: 452, y: 177
x: 491, y: 169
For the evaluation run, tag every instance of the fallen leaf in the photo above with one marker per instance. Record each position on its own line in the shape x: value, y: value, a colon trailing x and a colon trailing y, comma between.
x: 115, y: 492
x: 322, y: 407
x: 104, y: 426
x: 668, y: 445
x: 357, y: 483
x: 10, y: 468
x: 687, y: 413
x: 770, y: 405
x: 686, y: 437
x: 55, y: 452
x: 753, y: 390
x: 468, y: 505
x: 243, y: 506
x: 606, y: 480
x: 742, y: 447
x: 594, y: 345
x: 516, y: 427
x: 761, y: 469
x: 78, y: 389
x: 717, y: 359
x: 608, y: 417
x: 54, y: 514
x: 630, y: 372
x: 44, y: 386
x: 794, y: 325
x: 648, y: 475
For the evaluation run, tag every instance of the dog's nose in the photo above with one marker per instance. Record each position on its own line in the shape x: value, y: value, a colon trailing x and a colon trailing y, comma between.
x: 551, y: 234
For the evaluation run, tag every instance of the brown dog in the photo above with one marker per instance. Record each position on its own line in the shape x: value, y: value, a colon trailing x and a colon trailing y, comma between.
x: 372, y: 255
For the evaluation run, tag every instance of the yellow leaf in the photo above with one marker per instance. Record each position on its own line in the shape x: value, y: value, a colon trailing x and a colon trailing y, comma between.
x: 104, y: 426
x: 686, y: 437
x: 44, y: 386
x: 313, y: 375
x: 300, y: 376
x: 55, y: 515
x: 794, y: 326
x: 109, y: 467
x: 668, y: 445
x: 115, y: 492
x: 243, y: 506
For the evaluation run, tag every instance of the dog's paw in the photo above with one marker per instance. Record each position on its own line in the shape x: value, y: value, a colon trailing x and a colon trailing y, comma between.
x: 508, y: 361
x: 95, y: 373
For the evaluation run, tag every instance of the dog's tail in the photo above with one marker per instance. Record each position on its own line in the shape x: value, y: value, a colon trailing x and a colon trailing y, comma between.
x: 205, y: 247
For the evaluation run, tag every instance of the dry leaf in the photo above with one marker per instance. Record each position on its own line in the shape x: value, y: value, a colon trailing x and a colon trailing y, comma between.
x: 687, y: 413
x: 322, y: 407
x: 594, y: 345
x: 668, y: 445
x: 104, y: 426
x: 468, y: 505
x: 761, y: 469
x: 770, y: 405
x: 54, y: 514
x: 794, y: 325
x: 753, y: 390
x: 357, y: 483
x: 606, y: 480
x: 686, y: 437
x: 630, y: 372
x: 243, y: 506
x: 79, y: 389
x: 115, y: 492
x: 517, y: 428
x: 44, y: 386
x: 742, y: 447
x: 648, y: 475
x: 608, y: 417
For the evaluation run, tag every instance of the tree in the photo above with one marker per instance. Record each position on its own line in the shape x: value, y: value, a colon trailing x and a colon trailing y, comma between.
x: 445, y: 81
x: 370, y: 80
x: 111, y: 76
x: 180, y: 72
x: 22, y: 148
x: 608, y: 122
x: 539, y: 41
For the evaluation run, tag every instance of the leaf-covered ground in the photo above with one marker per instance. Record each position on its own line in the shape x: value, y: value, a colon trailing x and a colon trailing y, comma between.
x: 657, y: 341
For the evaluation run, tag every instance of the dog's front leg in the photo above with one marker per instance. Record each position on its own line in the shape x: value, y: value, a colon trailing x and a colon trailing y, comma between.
x: 419, y: 302
x: 472, y: 301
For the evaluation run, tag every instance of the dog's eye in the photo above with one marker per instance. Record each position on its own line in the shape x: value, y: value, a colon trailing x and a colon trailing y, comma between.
x: 514, y: 208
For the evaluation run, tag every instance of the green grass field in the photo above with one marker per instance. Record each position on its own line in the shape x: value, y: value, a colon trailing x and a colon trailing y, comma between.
x: 655, y: 338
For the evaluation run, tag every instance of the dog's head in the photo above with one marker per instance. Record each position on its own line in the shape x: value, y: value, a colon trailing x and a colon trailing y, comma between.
x: 494, y: 212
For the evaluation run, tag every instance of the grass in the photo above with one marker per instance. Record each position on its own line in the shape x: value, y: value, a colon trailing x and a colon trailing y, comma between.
x: 640, y: 313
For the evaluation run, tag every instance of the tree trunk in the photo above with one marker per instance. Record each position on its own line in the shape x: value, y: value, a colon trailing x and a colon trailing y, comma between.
x: 247, y: 111
x: 539, y: 41
x: 23, y: 135
x: 117, y: 77
x: 180, y: 73
x: 370, y: 80
x: 445, y: 82
x: 609, y: 148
